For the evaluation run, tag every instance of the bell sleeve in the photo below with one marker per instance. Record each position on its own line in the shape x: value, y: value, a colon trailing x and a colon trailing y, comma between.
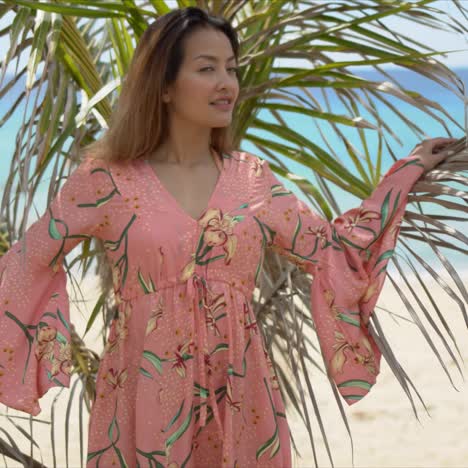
x: 35, y: 351
x: 348, y: 259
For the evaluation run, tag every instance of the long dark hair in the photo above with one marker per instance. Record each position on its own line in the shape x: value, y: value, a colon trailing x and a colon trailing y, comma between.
x: 139, y: 123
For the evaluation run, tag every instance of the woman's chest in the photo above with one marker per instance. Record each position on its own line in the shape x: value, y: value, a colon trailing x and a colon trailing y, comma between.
x: 146, y: 219
x: 188, y: 191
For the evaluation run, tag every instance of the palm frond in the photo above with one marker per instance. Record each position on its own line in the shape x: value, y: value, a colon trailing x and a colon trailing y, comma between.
x: 73, y: 40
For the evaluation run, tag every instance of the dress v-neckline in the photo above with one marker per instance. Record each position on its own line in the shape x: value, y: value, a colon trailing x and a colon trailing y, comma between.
x: 222, y: 169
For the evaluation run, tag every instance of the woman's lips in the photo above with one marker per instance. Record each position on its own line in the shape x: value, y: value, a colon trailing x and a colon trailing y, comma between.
x: 222, y: 107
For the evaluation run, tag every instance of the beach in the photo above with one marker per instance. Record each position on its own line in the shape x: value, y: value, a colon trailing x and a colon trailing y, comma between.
x: 385, y: 432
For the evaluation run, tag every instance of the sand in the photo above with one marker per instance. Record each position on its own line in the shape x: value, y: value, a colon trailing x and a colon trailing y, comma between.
x: 384, y: 429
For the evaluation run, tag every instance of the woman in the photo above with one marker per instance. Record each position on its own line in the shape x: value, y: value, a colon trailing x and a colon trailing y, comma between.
x: 185, y: 379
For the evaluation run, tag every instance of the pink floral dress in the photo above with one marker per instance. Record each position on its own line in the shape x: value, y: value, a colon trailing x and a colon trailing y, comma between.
x: 185, y: 379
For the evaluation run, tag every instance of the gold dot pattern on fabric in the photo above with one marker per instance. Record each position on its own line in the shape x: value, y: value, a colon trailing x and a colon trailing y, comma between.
x: 185, y: 377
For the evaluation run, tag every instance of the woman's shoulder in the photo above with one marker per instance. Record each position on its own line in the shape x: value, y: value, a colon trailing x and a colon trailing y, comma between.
x: 119, y: 180
x: 249, y: 164
x: 115, y: 169
x: 246, y: 156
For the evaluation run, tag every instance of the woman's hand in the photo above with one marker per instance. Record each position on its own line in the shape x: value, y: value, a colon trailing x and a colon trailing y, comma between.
x: 433, y: 151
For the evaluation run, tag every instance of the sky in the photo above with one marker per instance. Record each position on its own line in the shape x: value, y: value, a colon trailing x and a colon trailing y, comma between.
x: 440, y: 40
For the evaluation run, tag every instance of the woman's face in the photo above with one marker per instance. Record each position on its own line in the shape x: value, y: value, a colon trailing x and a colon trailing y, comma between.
x: 201, y: 80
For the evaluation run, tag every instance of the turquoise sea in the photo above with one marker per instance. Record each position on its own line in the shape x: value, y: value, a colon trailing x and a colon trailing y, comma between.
x: 323, y: 135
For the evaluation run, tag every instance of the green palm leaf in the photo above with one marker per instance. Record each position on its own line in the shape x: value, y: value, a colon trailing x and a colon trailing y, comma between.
x: 86, y: 47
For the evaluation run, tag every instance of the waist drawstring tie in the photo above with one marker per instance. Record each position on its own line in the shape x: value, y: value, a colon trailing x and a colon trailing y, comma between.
x: 197, y: 289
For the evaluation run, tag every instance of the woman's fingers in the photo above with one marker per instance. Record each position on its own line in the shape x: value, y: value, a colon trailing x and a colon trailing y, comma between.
x: 436, y: 142
x: 440, y: 141
x: 438, y: 147
x: 432, y: 152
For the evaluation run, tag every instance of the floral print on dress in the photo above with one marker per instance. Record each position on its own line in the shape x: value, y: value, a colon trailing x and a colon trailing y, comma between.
x: 186, y: 379
x: 348, y: 260
x: 217, y: 231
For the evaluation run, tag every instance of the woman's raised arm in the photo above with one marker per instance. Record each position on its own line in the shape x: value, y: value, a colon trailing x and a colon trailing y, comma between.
x: 347, y: 258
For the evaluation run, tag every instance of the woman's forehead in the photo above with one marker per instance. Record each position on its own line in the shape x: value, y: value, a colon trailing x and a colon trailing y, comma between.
x: 201, y: 42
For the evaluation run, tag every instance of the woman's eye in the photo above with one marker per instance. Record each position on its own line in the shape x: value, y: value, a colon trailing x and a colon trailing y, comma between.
x: 235, y: 69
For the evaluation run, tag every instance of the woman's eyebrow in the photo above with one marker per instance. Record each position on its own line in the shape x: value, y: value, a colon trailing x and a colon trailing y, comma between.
x: 212, y: 57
